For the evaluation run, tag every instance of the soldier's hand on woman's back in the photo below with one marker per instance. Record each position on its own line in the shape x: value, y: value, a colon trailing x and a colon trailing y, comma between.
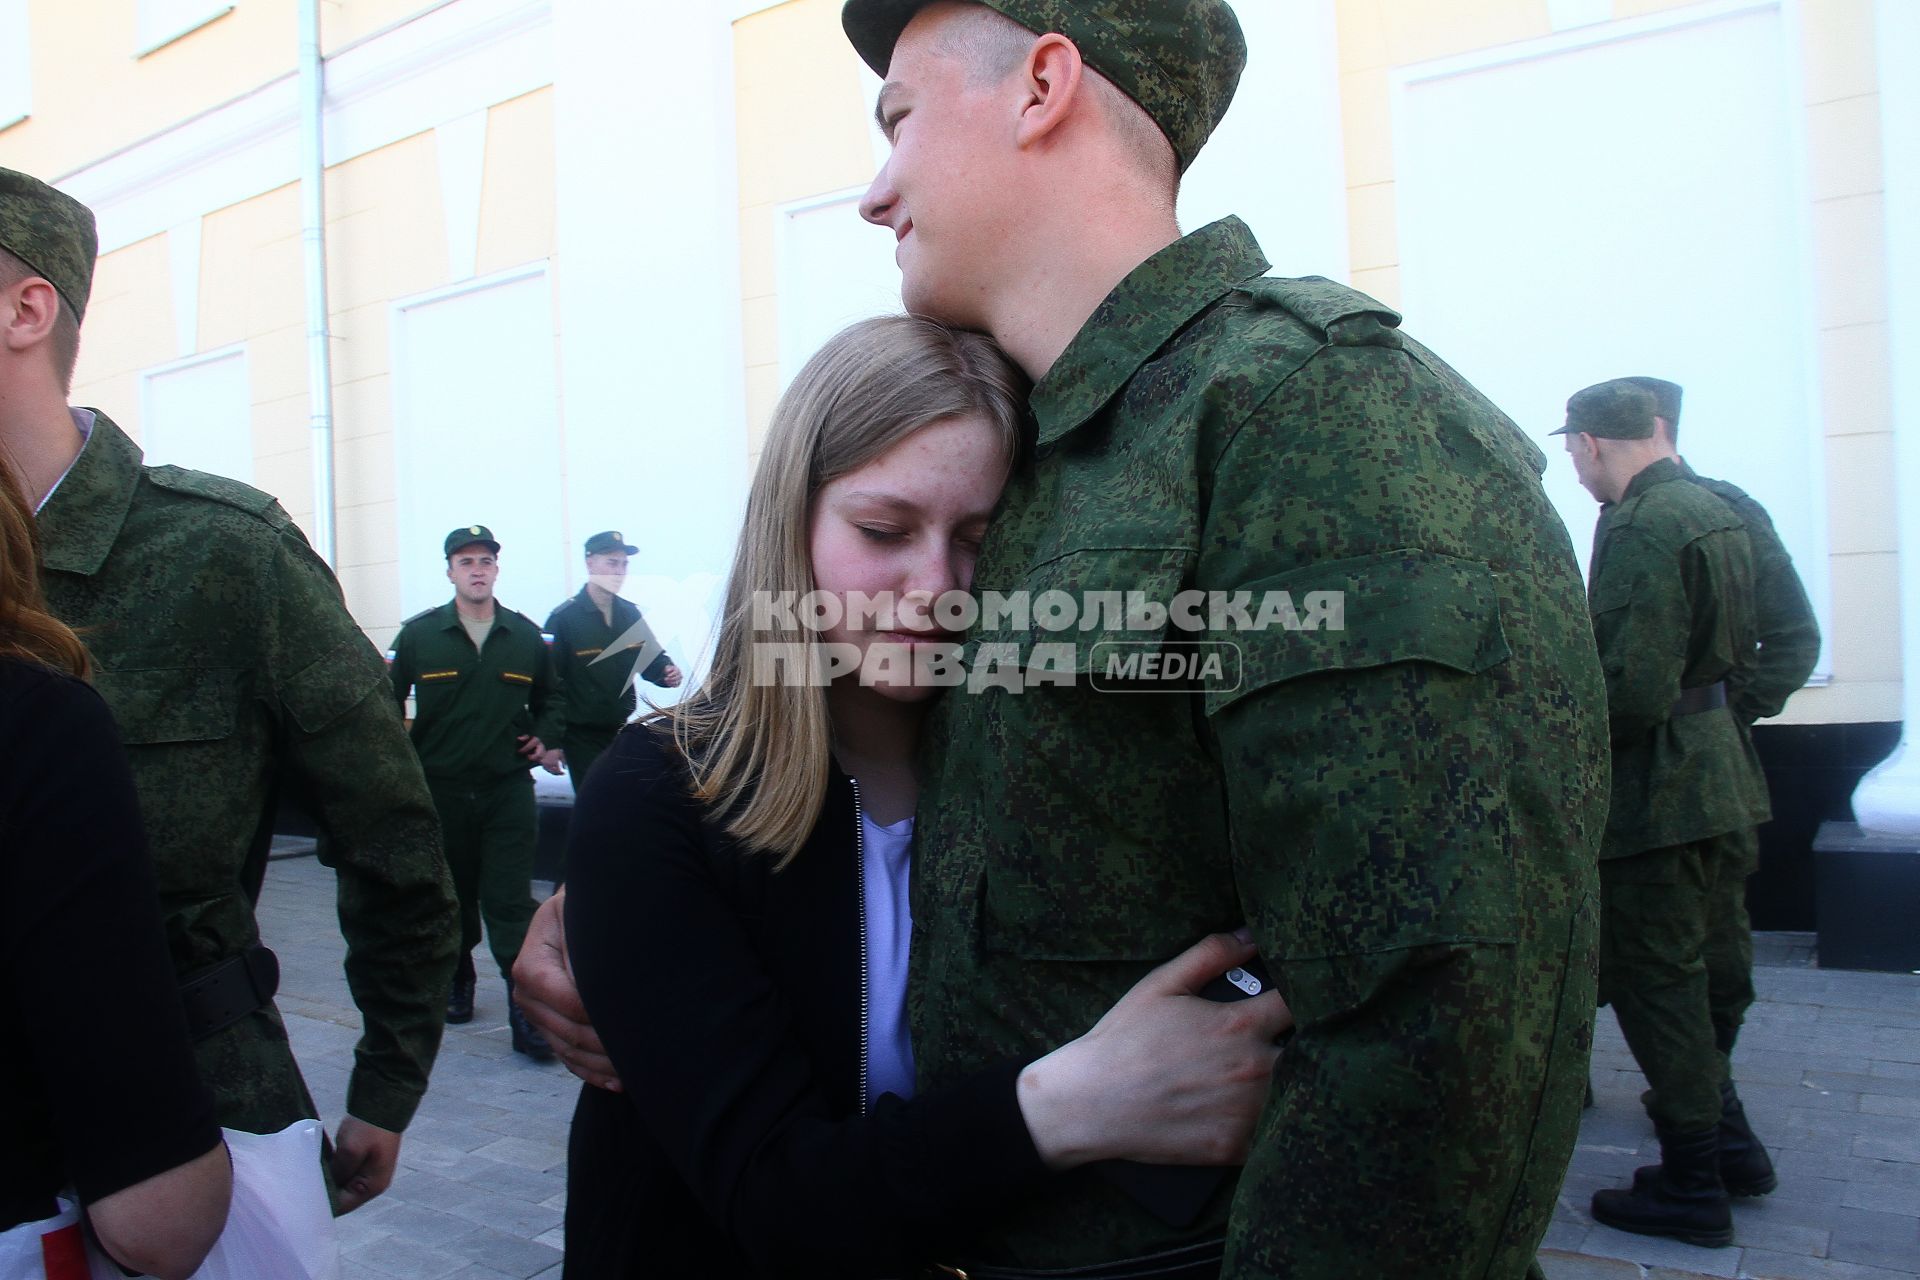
x: 544, y: 988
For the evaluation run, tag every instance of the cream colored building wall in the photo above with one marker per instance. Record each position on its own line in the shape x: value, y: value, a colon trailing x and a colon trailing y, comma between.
x: 386, y: 238
x: 798, y: 137
x: 1842, y: 106
x: 85, y: 72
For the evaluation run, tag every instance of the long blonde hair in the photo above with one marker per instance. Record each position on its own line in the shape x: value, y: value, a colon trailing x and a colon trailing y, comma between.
x: 760, y: 751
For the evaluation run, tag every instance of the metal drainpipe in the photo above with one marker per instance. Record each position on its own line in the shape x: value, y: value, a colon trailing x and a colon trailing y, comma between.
x: 313, y: 239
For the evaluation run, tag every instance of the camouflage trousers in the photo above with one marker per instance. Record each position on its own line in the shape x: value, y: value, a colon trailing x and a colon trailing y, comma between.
x: 1676, y: 963
x: 489, y: 831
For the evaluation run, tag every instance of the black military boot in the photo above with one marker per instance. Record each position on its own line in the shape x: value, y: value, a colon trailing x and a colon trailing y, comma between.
x: 525, y: 1039
x: 1682, y: 1196
x: 1745, y: 1167
x: 460, y: 998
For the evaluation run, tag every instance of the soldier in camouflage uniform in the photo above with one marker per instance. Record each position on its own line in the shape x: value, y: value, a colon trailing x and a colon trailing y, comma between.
x: 1788, y: 636
x: 228, y: 657
x: 1405, y: 809
x: 597, y: 685
x: 1672, y: 598
x: 485, y: 709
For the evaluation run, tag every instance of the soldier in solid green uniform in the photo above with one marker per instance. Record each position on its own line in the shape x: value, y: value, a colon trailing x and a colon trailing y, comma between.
x: 1788, y: 636
x: 485, y: 710
x: 600, y: 647
x: 1403, y: 803
x: 228, y: 657
x: 1672, y: 598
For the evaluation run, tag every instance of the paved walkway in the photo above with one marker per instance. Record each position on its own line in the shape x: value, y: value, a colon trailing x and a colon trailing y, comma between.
x: 1829, y: 1067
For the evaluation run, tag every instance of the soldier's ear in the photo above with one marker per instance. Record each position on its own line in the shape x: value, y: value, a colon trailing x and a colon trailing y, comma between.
x: 29, y: 310
x: 1054, y: 76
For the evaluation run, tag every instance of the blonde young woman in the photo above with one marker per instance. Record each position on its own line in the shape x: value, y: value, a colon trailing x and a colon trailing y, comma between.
x: 736, y: 912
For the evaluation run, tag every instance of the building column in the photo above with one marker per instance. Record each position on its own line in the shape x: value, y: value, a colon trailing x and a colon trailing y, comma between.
x: 1888, y: 798
x: 648, y: 304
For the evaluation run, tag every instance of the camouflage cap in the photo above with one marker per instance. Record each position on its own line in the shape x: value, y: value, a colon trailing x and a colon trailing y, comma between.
x: 1616, y: 410
x: 1666, y: 396
x: 468, y: 534
x: 52, y: 233
x: 1179, y: 59
x: 611, y: 540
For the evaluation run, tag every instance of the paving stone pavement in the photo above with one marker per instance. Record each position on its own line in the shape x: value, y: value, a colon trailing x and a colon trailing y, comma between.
x: 1828, y: 1065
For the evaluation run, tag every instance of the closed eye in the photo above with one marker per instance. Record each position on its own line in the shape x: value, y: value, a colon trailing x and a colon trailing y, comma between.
x: 880, y: 535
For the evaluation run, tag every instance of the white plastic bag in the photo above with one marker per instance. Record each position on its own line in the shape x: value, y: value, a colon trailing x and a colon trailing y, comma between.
x: 280, y: 1226
x: 55, y: 1248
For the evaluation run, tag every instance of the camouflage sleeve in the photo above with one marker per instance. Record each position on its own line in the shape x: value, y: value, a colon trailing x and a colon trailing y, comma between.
x: 1642, y: 621
x: 342, y: 737
x: 1373, y: 817
x: 1789, y: 633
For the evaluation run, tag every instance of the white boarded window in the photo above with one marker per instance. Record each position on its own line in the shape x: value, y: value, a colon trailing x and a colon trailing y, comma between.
x: 16, y: 63
x: 198, y: 413
x: 1626, y: 199
x: 834, y: 267
x: 477, y: 439
x: 161, y: 22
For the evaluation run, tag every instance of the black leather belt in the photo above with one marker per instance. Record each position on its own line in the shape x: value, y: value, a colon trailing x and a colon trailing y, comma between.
x: 1708, y: 697
x: 1189, y: 1262
x: 222, y: 994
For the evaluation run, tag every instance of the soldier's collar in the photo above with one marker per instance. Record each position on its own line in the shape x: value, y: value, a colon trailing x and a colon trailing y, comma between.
x: 1153, y: 303
x: 84, y: 516
x: 1658, y: 472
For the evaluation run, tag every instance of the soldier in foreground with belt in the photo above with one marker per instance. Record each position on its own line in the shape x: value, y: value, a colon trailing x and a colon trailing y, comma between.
x: 600, y: 647
x: 485, y: 711
x: 223, y: 647
x: 1672, y: 597
x: 1404, y: 809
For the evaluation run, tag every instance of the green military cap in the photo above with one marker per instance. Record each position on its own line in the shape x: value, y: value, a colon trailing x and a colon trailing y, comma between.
x: 1179, y: 59
x: 611, y: 540
x: 1616, y: 410
x: 1666, y: 396
x: 52, y: 233
x: 468, y: 534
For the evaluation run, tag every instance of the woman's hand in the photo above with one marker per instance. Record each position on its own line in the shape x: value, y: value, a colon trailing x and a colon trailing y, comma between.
x: 1166, y: 1076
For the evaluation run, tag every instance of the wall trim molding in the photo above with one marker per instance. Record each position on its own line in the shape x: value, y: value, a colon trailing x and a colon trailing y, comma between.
x: 462, y: 57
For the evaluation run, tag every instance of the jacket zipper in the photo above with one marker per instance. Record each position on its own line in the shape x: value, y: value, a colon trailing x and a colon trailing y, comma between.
x: 860, y: 887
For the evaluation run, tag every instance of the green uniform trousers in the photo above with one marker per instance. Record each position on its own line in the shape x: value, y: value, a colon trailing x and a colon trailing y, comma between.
x: 489, y: 830
x: 1676, y: 963
x: 583, y: 744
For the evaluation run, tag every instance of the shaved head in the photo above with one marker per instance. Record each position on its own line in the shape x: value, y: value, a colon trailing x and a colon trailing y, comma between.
x: 993, y: 46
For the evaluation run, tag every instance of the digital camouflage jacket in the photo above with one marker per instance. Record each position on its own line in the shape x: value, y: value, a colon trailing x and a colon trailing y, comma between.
x: 1788, y: 633
x: 1672, y: 599
x: 236, y: 674
x: 1402, y: 797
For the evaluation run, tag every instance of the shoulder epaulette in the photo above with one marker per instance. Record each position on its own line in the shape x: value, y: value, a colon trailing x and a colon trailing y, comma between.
x: 1345, y: 316
x: 221, y: 489
x: 424, y: 613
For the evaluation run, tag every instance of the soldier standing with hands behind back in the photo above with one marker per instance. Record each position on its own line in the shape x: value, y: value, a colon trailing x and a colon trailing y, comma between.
x: 1671, y: 593
x: 597, y: 656
x: 485, y: 710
